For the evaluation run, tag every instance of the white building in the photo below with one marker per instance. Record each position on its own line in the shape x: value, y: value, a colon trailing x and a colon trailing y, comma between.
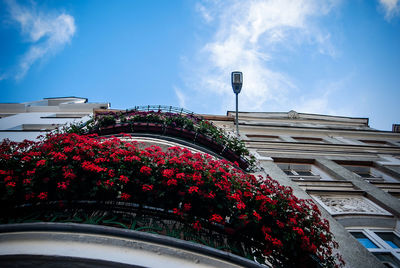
x: 19, y: 121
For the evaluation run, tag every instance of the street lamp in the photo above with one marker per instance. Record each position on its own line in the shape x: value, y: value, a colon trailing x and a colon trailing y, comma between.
x: 237, y: 82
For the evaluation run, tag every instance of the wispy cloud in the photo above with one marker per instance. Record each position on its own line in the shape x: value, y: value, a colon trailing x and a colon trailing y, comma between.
x: 47, y: 32
x: 181, y: 97
x: 391, y: 8
x: 247, y: 35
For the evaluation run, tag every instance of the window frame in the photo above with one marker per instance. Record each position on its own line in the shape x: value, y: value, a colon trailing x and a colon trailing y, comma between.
x: 383, y: 246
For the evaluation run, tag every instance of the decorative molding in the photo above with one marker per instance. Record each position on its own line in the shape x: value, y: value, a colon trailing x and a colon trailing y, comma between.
x: 340, y: 205
x: 293, y: 115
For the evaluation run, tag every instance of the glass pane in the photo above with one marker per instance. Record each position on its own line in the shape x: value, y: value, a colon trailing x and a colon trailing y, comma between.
x: 388, y: 259
x: 236, y: 78
x: 365, y: 241
x: 365, y: 175
x: 288, y: 172
x: 390, y: 238
x: 305, y: 173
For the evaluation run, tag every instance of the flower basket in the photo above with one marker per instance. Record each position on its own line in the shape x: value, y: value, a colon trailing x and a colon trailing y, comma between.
x: 107, y: 130
x: 173, y: 131
x: 155, y: 128
x: 121, y: 128
x: 139, y: 127
x: 204, y: 140
x: 188, y: 134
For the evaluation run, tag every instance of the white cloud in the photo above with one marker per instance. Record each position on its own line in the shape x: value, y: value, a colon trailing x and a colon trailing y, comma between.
x: 47, y: 33
x: 322, y: 100
x: 181, y: 97
x: 391, y: 8
x: 247, y: 33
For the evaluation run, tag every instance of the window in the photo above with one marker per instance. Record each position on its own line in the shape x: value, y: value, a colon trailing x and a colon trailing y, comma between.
x: 299, y: 171
x: 62, y: 115
x: 364, y: 240
x: 263, y: 137
x: 375, y: 143
x: 385, y: 245
x: 309, y: 139
x: 370, y: 174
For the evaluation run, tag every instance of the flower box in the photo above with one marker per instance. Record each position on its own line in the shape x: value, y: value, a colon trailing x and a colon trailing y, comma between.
x: 188, y: 134
x: 139, y: 127
x: 106, y: 130
x: 173, y: 131
x: 155, y: 128
x: 119, y: 128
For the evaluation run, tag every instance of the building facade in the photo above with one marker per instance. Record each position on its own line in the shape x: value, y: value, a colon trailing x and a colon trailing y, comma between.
x: 349, y: 169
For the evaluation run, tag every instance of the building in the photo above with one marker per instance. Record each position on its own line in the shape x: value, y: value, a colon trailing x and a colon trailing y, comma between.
x: 349, y: 169
x: 19, y: 121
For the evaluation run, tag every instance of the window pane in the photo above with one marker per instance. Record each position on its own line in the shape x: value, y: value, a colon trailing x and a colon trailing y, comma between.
x: 365, y: 175
x: 305, y: 173
x: 288, y: 172
x: 390, y: 238
x: 388, y: 259
x: 365, y: 241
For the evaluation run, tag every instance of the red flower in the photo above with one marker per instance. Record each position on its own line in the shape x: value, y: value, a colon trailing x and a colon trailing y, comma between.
x: 88, y: 166
x: 216, y: 218
x: 187, y: 206
x: 298, y: 230
x: 277, y: 243
x: 280, y: 224
x: 243, y: 217
x: 58, y: 157
x: 31, y: 172
x: 62, y: 185
x: 11, y: 184
x: 145, y: 170
x: 177, y: 211
x: 258, y: 217
x: 196, y: 225
x: 193, y: 189
x: 111, y: 173
x: 211, y: 195
x: 124, y: 179
x: 241, y: 205
x: 172, y: 182
x: 42, y: 195
x: 109, y: 182
x: 147, y: 187
x: 68, y: 174
x: 180, y: 175
x: 125, y: 196
x: 168, y: 173
x: 41, y: 162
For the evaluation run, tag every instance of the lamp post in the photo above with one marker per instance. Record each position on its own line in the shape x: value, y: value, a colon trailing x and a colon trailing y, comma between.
x: 237, y: 82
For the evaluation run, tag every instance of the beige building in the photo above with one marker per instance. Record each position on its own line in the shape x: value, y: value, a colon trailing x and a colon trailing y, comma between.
x: 351, y: 170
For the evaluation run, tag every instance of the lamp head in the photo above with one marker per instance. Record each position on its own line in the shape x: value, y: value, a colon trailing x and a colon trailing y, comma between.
x: 237, y: 81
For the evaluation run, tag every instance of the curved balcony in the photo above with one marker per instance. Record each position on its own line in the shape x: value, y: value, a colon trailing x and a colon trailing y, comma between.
x: 173, y: 122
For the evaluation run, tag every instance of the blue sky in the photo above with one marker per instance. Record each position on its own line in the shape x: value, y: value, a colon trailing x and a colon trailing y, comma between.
x: 330, y: 57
